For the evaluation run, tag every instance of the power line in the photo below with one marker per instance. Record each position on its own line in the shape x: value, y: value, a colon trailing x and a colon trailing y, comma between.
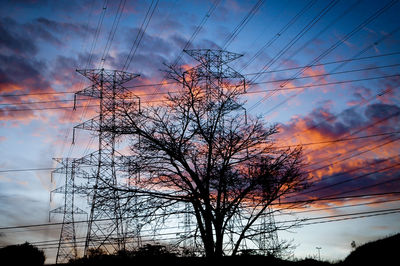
x: 357, y: 131
x: 288, y: 146
x: 97, y: 32
x: 364, y: 102
x: 279, y: 214
x: 198, y: 29
x: 339, y: 140
x: 113, y: 30
x: 68, y: 130
x: 140, y: 34
x: 332, y: 218
x: 357, y: 214
x: 340, y: 207
x: 316, y: 36
x: 242, y: 24
x: 189, y: 42
x: 289, y: 202
x: 296, y: 38
x: 343, y: 215
x: 324, y: 64
x: 349, y: 180
x: 38, y: 102
x: 280, y: 33
x: 349, y: 35
x: 351, y: 218
x: 248, y: 92
x: 330, y: 118
x: 349, y: 157
x: 330, y: 49
x: 303, y: 144
x: 52, y: 246
x: 333, y: 71
x: 164, y: 93
x: 52, y: 108
x: 336, y: 198
x: 28, y: 169
x: 248, y: 74
x: 396, y: 179
x: 369, y: 164
x: 314, y: 85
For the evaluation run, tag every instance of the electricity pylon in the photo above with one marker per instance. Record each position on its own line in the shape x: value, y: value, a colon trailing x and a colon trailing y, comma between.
x: 268, y: 242
x: 67, y: 248
x: 105, y: 226
x: 217, y: 79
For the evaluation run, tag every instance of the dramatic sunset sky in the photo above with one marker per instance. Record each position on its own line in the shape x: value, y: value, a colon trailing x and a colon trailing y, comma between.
x: 344, y: 108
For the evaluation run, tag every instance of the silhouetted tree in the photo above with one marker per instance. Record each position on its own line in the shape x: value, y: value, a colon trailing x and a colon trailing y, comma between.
x: 95, y: 252
x: 199, y: 147
x: 149, y: 250
x: 24, y: 254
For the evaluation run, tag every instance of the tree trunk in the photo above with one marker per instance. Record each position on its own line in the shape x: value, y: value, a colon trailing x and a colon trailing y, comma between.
x: 219, y: 243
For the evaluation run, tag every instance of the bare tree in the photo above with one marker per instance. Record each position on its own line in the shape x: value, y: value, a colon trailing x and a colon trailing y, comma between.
x: 200, y: 147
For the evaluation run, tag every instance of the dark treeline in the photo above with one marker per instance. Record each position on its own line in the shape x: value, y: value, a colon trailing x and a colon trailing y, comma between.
x: 379, y: 252
x: 24, y: 254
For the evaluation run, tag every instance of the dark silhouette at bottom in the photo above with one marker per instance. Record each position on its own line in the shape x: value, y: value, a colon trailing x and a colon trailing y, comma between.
x: 24, y: 254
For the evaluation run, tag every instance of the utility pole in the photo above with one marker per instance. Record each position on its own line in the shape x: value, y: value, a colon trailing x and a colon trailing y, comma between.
x: 319, y: 253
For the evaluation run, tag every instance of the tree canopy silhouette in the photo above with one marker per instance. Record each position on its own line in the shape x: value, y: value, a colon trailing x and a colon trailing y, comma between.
x: 23, y: 254
x: 200, y: 147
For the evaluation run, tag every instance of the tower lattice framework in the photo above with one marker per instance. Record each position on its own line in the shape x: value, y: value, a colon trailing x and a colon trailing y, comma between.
x: 268, y: 242
x: 67, y: 248
x: 105, y: 226
x: 218, y: 78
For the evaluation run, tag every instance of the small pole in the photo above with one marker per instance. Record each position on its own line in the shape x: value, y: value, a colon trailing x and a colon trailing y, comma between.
x: 319, y: 253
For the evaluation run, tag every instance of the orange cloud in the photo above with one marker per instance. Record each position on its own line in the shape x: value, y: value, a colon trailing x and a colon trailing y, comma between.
x: 330, y: 158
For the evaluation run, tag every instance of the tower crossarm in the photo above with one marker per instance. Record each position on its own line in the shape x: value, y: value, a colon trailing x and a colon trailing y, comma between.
x: 63, y: 210
x: 100, y: 75
x: 91, y: 124
x: 203, y: 55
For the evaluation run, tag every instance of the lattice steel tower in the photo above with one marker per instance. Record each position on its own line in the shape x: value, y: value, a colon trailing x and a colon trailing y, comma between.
x: 218, y: 78
x: 268, y: 242
x: 67, y: 248
x: 105, y: 225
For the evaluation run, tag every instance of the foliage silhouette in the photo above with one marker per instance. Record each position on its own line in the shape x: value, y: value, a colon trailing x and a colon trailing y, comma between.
x: 24, y: 254
x: 95, y: 252
x: 380, y: 252
x: 153, y: 251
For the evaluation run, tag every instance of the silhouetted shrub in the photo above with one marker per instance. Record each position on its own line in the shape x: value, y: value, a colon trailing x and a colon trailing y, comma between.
x: 95, y: 252
x: 311, y: 261
x: 153, y: 251
x: 24, y: 254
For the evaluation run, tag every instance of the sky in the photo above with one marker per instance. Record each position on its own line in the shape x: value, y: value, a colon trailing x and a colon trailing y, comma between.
x: 329, y: 80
